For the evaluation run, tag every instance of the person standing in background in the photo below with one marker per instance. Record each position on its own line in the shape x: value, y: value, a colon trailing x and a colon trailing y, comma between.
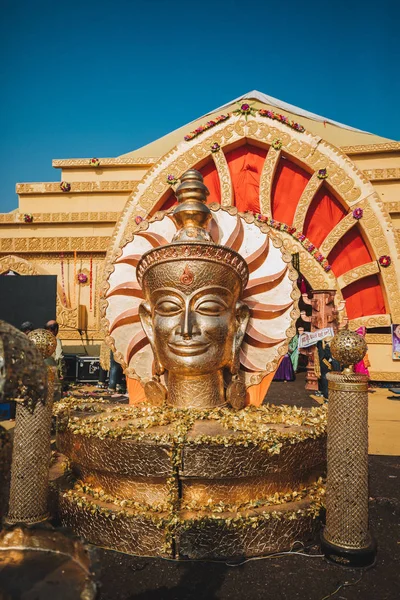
x: 58, y: 355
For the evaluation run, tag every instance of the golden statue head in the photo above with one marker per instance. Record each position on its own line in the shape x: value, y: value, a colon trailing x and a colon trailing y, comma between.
x: 192, y: 313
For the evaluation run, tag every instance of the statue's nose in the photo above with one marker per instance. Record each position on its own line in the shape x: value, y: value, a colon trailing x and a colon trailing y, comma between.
x: 187, y: 325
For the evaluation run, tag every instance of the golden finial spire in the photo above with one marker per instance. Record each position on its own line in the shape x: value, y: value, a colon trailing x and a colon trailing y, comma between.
x: 192, y: 215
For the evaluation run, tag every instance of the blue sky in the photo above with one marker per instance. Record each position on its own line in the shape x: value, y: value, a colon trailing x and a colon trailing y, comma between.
x: 101, y: 78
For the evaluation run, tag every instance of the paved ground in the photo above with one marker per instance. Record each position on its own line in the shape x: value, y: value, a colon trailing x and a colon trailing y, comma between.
x: 287, y: 577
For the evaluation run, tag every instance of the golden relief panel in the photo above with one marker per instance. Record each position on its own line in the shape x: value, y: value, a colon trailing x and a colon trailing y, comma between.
x: 378, y: 338
x: 392, y: 207
x: 372, y: 148
x: 304, y: 203
x: 382, y: 174
x: 73, y: 217
x: 266, y: 179
x: 77, y: 187
x: 370, y: 268
x: 121, y: 161
x: 384, y: 376
x: 54, y: 244
x: 371, y: 321
x: 224, y: 178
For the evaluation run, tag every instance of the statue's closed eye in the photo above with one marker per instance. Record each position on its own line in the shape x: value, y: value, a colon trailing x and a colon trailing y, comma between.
x: 210, y: 307
x: 168, y: 307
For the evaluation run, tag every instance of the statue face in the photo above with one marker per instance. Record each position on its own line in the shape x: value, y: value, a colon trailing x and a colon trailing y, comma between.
x: 196, y: 332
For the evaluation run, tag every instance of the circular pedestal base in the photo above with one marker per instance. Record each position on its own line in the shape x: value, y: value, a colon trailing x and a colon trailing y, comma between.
x: 349, y: 557
x: 212, y: 484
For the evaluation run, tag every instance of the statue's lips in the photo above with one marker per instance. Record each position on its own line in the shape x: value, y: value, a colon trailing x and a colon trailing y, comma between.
x: 189, y: 348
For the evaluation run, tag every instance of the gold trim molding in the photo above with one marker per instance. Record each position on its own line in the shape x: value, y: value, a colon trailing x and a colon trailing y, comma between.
x: 353, y: 275
x: 392, y: 207
x: 378, y: 338
x: 89, y: 187
x: 55, y: 244
x: 304, y: 203
x: 371, y: 321
x: 384, y: 376
x: 372, y: 148
x: 57, y: 217
x: 382, y: 174
x: 224, y: 178
x: 267, y: 176
x: 122, y: 161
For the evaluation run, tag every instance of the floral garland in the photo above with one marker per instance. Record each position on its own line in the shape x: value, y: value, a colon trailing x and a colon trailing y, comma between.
x: 208, y: 125
x: 247, y: 425
x: 63, y: 279
x: 297, y: 235
x: 91, y: 285
x: 282, y: 119
x: 28, y: 218
x: 166, y: 515
x: 246, y: 109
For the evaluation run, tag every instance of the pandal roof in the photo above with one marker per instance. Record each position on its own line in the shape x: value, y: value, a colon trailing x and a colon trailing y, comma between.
x: 336, y: 133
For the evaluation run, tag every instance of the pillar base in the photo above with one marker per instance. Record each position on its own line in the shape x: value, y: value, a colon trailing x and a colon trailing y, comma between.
x: 349, y: 557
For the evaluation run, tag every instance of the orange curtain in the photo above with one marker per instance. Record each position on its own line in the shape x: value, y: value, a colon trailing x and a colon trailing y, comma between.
x: 170, y: 201
x: 350, y: 252
x: 364, y: 297
x: 211, y: 180
x: 289, y: 183
x: 245, y: 165
x: 324, y: 212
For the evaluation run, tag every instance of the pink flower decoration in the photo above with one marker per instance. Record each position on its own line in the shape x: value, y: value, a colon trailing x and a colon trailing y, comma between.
x: 138, y: 219
x: 65, y: 186
x: 82, y: 278
x: 358, y: 213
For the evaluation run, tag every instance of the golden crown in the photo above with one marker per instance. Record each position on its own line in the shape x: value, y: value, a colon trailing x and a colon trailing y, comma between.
x: 192, y: 242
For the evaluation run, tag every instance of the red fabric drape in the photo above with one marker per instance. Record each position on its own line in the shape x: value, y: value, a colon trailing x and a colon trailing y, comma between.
x: 364, y: 297
x: 170, y: 201
x: 211, y: 180
x: 324, y: 212
x: 245, y: 165
x: 350, y: 252
x: 289, y: 183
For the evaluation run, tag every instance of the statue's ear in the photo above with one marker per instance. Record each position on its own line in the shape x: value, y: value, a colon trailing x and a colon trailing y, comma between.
x: 147, y: 324
x: 146, y: 321
x: 242, y: 319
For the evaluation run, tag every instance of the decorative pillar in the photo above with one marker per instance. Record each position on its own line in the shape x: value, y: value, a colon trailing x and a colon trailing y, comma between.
x: 323, y: 314
x: 31, y: 448
x: 346, y: 538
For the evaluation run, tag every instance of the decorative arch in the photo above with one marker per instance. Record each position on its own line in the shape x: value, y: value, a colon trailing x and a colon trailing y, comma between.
x: 66, y: 317
x: 323, y: 174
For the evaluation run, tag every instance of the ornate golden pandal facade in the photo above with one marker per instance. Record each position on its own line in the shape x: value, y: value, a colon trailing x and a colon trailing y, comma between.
x: 116, y: 190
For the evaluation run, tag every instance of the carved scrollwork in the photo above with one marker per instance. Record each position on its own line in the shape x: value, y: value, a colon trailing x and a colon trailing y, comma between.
x: 370, y: 268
